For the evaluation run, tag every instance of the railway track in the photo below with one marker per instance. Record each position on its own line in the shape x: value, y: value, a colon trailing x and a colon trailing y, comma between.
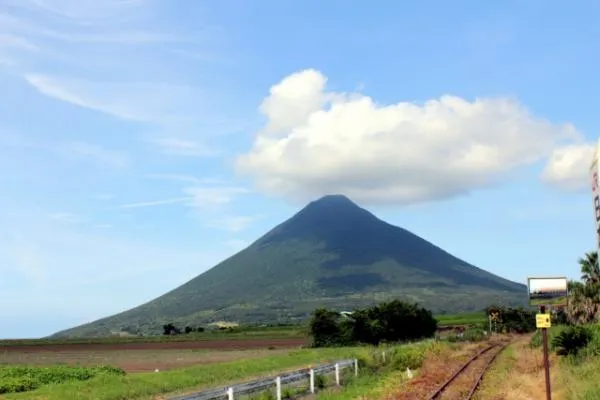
x: 464, y: 382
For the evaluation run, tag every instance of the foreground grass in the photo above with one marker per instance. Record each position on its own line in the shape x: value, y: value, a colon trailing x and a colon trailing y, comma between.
x: 380, y: 380
x: 24, y: 379
x: 148, y: 385
x: 579, y: 375
x: 375, y: 374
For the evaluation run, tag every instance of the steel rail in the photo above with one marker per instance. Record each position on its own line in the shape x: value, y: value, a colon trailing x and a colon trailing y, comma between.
x: 469, y: 362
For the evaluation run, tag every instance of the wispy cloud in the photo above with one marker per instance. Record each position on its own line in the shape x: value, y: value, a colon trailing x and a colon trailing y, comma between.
x: 185, y: 178
x: 197, y: 197
x: 184, y: 147
x: 95, y: 152
x: 155, y: 203
x: 77, y: 150
x: 66, y: 217
x: 90, y: 42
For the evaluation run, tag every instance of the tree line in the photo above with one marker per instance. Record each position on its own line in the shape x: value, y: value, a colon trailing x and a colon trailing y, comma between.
x: 393, y: 321
x: 170, y: 329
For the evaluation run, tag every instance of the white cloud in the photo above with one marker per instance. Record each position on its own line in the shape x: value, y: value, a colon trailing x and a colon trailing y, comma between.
x: 136, y: 101
x: 568, y: 167
x: 317, y: 142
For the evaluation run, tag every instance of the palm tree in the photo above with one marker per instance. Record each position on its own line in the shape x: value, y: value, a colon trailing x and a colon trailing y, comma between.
x: 590, y: 272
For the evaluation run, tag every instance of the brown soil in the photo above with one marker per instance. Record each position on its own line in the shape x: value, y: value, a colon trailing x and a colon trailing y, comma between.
x: 238, y: 344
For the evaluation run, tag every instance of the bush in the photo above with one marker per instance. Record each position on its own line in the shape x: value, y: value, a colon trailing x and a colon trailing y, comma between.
x: 389, y: 322
x: 571, y: 340
x: 24, y: 379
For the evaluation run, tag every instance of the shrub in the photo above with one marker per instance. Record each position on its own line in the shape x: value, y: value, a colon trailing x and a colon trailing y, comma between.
x: 23, y: 379
x: 389, y: 322
x: 571, y: 340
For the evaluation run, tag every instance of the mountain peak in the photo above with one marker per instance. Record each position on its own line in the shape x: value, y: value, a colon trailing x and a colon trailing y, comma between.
x: 332, y: 202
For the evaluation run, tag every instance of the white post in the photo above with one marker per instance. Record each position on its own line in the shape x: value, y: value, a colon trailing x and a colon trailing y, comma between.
x: 312, y: 380
x: 355, y: 367
x: 230, y: 393
x: 278, y: 383
x: 337, y: 374
x: 384, y: 356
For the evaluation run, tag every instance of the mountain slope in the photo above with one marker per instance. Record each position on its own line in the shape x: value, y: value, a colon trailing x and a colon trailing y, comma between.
x: 330, y: 253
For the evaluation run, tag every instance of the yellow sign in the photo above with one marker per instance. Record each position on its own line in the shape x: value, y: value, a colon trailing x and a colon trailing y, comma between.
x: 542, y: 321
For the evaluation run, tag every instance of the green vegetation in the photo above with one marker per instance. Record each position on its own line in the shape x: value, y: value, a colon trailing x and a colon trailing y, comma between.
x: 331, y: 254
x: 15, y: 379
x: 237, y: 333
x: 378, y: 376
x: 389, y: 322
x: 148, y: 385
x: 469, y: 318
x: 577, y: 338
x: 507, y: 319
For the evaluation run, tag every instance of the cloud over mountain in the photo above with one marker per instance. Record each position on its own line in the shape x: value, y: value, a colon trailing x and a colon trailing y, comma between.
x: 317, y: 141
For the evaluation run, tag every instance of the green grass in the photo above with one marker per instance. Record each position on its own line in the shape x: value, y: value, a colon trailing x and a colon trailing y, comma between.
x: 148, y: 385
x: 549, y: 302
x: 579, y: 375
x: 15, y: 379
x: 472, y: 318
x: 380, y: 379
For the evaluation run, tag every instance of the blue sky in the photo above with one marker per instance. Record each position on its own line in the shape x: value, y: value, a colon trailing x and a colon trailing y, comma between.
x: 143, y: 141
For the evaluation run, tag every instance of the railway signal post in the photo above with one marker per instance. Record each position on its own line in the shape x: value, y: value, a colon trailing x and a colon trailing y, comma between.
x: 545, y: 292
x: 542, y: 321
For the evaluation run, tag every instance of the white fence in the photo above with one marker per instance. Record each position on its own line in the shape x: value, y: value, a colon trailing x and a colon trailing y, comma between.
x: 229, y: 392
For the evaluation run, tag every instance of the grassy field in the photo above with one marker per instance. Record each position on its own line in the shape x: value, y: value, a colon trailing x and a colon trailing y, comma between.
x: 473, y: 318
x: 574, y: 377
x: 244, y: 333
x: 149, y: 385
x: 135, y: 360
x: 557, y: 301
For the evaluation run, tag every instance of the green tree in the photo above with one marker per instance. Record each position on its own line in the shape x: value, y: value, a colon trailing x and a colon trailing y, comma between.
x: 590, y: 272
x: 324, y: 328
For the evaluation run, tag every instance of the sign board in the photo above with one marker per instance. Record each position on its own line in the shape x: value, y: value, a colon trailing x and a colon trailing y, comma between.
x: 542, y: 321
x: 595, y: 182
x: 547, y: 291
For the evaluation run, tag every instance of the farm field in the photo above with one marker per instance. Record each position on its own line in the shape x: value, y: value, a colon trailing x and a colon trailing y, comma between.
x: 135, y: 360
x: 240, y: 338
x: 149, y: 385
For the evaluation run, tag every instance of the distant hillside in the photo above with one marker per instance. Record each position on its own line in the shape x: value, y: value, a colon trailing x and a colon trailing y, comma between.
x: 332, y: 253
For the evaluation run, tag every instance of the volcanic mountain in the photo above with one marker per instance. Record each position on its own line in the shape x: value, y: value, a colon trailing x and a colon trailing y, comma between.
x: 331, y: 253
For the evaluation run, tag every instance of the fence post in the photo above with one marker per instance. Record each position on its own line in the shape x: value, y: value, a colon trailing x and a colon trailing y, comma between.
x: 337, y: 374
x: 383, y: 356
x: 230, y: 393
x: 312, y: 380
x: 278, y: 384
x: 355, y: 367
